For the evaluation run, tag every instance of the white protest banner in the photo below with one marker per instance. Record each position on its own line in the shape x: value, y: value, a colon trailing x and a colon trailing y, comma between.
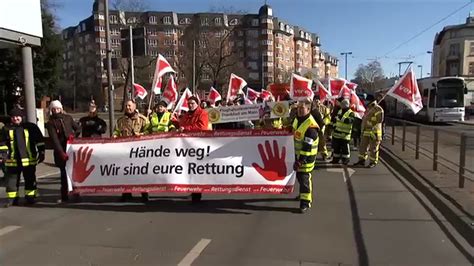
x: 247, y: 112
x: 239, y: 161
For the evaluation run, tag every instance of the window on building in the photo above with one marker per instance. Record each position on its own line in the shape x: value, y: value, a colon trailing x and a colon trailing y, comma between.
x: 116, y: 53
x: 234, y: 22
x: 99, y: 28
x: 152, y: 32
x: 471, y: 48
x: 152, y: 42
x: 114, y: 32
x: 282, y: 26
x: 471, y: 68
x: 267, y: 42
x: 453, y: 69
x: 132, y: 20
x: 218, y: 21
x: 204, y: 21
x: 185, y: 21
x: 254, y: 75
x: 169, y: 32
x: 181, y: 43
x: 115, y: 42
x: 454, y: 49
x: 113, y: 19
x: 240, y: 33
x: 152, y: 20
x: 255, y: 22
x: 102, y: 52
x: 167, y: 20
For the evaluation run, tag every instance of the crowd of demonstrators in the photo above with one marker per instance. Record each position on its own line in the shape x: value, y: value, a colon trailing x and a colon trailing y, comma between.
x: 61, y: 127
x: 312, y: 122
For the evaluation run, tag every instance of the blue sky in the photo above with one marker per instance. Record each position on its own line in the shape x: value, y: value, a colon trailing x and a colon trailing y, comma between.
x: 368, y: 28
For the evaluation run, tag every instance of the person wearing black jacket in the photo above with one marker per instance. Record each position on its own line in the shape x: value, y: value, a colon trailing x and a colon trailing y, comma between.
x: 92, y: 125
x: 60, y: 127
x: 22, y: 148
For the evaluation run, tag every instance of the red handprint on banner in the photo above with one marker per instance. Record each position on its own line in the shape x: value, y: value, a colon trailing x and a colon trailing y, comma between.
x: 274, y: 165
x: 81, y: 160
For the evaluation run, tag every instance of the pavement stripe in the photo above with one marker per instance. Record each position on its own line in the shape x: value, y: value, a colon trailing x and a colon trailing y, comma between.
x: 7, y: 229
x: 194, y: 252
x: 48, y: 174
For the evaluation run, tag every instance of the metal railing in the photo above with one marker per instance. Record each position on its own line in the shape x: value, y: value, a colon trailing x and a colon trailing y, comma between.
x: 432, y: 145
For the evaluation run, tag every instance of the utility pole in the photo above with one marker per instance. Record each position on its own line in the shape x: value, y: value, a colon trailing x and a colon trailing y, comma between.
x: 132, y: 66
x: 346, y: 54
x: 109, y: 69
x: 421, y: 70
x: 29, y: 88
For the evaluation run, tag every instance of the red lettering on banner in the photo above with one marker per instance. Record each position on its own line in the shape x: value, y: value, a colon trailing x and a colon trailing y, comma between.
x: 180, y: 188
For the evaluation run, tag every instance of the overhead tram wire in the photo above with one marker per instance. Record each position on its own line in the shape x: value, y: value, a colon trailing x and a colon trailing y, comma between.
x: 430, y: 27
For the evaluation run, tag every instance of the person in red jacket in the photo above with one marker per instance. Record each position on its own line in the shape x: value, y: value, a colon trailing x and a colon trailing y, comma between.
x: 193, y: 120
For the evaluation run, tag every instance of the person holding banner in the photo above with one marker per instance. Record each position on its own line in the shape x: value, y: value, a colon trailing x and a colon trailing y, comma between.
x: 371, y: 134
x: 160, y: 119
x: 60, y: 128
x: 130, y: 125
x: 194, y: 120
x: 341, y: 135
x: 23, y: 145
x: 306, y: 132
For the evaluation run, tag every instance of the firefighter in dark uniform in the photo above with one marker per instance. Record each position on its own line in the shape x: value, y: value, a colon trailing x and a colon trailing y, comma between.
x: 305, y: 129
x: 22, y: 145
x: 341, y: 135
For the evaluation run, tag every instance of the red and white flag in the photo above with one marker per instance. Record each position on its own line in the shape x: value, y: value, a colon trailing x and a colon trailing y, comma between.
x: 300, y: 87
x: 236, y: 86
x: 213, y: 96
x: 252, y: 94
x: 322, y: 91
x: 162, y: 67
x: 140, y: 91
x: 407, y: 92
x: 266, y: 95
x: 182, y: 104
x: 345, y: 92
x: 170, y: 94
x: 356, y: 104
x: 335, y: 86
x: 351, y: 85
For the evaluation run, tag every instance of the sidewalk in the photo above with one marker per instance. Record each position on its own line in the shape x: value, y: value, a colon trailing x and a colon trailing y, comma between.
x: 442, y: 184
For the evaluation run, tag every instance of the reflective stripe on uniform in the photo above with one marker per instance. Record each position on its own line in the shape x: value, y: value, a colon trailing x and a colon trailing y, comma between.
x: 342, y: 129
x: 30, y: 193
x: 12, y: 195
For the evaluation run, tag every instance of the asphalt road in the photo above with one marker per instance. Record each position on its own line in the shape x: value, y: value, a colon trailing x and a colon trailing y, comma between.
x: 360, y: 216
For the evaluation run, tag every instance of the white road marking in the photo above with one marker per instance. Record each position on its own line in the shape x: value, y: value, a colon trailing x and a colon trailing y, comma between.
x: 341, y: 170
x: 7, y: 229
x: 194, y: 252
x: 48, y: 174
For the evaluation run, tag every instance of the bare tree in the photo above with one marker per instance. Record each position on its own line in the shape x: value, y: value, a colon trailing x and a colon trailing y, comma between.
x: 130, y: 5
x: 369, y: 76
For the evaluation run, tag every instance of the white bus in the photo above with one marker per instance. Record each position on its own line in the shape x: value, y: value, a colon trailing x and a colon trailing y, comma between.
x: 443, y: 101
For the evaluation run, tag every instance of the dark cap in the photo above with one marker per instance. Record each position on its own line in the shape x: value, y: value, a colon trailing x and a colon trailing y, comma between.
x: 16, y: 112
x: 194, y: 98
x: 162, y: 103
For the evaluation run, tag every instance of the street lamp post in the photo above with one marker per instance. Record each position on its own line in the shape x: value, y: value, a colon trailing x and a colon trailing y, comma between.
x: 421, y: 70
x: 345, y: 54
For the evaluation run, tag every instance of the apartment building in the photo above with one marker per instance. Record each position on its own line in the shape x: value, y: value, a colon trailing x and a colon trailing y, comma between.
x: 260, y: 47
